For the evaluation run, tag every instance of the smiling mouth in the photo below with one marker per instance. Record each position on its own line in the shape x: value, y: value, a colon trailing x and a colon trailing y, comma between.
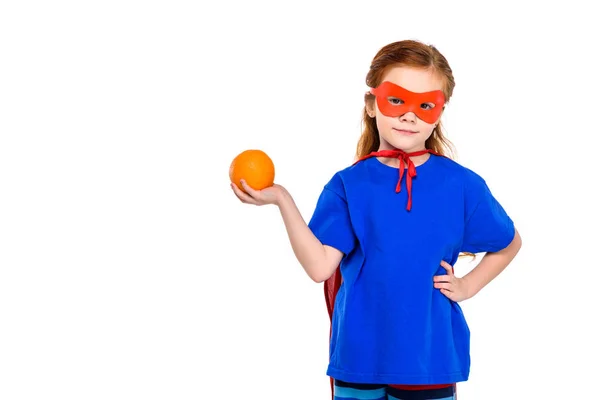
x: 405, y: 131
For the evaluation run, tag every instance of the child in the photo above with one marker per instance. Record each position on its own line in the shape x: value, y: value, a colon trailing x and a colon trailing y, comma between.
x: 386, y: 232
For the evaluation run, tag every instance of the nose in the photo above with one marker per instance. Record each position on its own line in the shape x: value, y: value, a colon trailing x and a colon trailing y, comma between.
x: 408, y: 117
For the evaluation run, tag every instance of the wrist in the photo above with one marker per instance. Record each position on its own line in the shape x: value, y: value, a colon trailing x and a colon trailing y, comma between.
x: 472, y: 288
x: 282, y: 197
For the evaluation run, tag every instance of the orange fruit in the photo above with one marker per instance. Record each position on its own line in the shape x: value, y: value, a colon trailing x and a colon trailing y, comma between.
x: 255, y: 167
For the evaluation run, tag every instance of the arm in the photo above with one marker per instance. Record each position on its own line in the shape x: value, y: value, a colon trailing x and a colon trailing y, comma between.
x: 318, y: 260
x: 491, y: 265
x: 488, y: 229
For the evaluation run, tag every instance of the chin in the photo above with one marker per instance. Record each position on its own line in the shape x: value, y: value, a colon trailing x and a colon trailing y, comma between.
x: 407, y: 144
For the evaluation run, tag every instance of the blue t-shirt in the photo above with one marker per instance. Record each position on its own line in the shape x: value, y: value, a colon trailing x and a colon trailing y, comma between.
x: 390, y: 325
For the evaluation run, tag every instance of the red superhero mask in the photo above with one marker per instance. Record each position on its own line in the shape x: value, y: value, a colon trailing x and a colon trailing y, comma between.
x: 394, y: 101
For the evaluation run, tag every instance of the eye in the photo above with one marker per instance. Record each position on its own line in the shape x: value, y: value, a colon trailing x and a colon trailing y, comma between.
x: 395, y: 101
x: 427, y: 106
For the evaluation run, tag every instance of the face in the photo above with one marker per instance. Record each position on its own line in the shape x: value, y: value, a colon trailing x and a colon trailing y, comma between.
x: 407, y: 109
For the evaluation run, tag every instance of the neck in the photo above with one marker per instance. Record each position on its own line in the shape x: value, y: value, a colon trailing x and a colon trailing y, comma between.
x: 394, y: 162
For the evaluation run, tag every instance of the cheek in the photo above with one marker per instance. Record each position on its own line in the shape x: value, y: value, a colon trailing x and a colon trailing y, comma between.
x: 425, y: 127
x: 384, y: 124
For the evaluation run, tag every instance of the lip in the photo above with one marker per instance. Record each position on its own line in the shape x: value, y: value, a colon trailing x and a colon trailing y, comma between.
x: 405, y: 131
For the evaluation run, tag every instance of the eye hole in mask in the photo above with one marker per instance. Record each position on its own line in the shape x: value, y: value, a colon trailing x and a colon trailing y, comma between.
x: 398, y: 102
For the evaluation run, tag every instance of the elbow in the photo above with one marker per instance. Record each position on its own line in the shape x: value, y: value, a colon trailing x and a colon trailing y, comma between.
x: 517, y: 242
x: 323, y: 268
x: 317, y: 278
x: 319, y: 275
x: 313, y: 272
x: 513, y: 247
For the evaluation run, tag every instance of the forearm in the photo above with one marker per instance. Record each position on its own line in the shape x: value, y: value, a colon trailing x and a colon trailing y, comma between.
x: 309, y: 251
x: 491, y: 266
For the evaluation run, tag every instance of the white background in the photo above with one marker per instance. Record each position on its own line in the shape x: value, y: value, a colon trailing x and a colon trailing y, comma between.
x: 128, y: 270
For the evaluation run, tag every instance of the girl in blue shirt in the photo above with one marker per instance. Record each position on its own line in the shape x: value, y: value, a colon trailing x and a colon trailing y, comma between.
x: 386, y: 232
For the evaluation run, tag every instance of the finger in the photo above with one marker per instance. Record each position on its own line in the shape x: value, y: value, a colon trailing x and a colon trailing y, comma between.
x: 238, y: 193
x: 444, y: 286
x: 448, y: 294
x: 244, y: 198
x: 251, y: 192
x: 447, y: 267
x: 443, y: 278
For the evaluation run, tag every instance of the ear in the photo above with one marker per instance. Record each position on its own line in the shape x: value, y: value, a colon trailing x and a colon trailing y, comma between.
x: 370, y: 104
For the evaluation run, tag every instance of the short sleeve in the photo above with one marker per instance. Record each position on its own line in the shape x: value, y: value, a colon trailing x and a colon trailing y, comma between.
x: 488, y: 228
x: 330, y: 222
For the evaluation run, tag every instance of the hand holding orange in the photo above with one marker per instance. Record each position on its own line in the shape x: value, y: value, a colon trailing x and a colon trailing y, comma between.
x: 253, y: 166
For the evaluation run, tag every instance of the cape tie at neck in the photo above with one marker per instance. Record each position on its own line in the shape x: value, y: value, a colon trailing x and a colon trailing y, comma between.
x: 404, y: 159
